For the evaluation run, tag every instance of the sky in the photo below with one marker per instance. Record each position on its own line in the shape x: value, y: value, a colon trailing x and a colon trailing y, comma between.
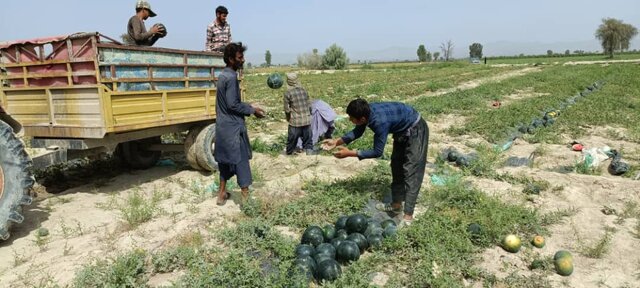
x: 368, y: 30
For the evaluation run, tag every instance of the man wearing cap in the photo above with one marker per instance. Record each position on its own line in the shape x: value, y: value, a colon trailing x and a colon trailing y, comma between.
x: 297, y: 109
x: 219, y: 31
x: 137, y: 32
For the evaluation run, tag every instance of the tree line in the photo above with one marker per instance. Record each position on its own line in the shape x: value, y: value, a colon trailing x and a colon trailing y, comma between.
x: 614, y: 36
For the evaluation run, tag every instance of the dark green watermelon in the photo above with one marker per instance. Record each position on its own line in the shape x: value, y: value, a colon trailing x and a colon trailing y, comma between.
x: 362, y: 242
x: 305, y: 264
x: 390, y: 231
x: 274, y: 81
x: 313, y: 236
x: 342, y: 234
x: 329, y: 270
x: 375, y: 241
x: 342, y: 222
x: 305, y: 250
x: 348, y: 251
x: 373, y: 228
x: 326, y: 248
x: 475, y: 231
x: 336, y: 242
x: 372, y: 224
x: 387, y: 223
x: 329, y: 233
x: 319, y: 258
x: 356, y: 223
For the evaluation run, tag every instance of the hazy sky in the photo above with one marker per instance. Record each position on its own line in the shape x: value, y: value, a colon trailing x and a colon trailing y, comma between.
x: 288, y: 28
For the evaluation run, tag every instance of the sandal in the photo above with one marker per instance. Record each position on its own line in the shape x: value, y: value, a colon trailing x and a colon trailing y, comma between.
x: 387, y: 207
x: 227, y: 195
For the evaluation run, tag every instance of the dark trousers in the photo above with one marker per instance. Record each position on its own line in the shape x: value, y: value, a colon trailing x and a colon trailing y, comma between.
x: 303, y: 132
x: 408, y: 162
x: 242, y: 169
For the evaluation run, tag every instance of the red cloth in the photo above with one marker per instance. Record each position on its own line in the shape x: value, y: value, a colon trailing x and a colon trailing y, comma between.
x: 577, y: 147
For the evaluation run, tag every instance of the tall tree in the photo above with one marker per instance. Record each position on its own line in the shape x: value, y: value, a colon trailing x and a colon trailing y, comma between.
x: 422, y: 53
x: 310, y: 60
x: 335, y: 58
x: 615, y: 35
x: 447, y: 50
x: 475, y: 50
x: 549, y: 52
x: 267, y: 58
x: 436, y: 56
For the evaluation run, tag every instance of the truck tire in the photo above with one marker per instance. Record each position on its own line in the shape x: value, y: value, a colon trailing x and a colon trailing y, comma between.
x: 15, y: 179
x: 190, y: 148
x: 137, y: 156
x: 204, y: 146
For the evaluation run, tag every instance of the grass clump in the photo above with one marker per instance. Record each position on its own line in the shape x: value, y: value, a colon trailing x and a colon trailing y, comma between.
x: 127, y: 270
x: 258, y: 235
x: 139, y: 209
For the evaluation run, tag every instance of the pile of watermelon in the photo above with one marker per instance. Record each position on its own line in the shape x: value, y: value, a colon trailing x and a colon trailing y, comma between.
x: 322, y: 250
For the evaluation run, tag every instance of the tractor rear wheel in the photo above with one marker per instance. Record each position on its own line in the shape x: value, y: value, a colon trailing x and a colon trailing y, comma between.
x: 15, y: 179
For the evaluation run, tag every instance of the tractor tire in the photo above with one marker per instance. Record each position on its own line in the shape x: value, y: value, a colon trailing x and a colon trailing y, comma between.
x: 137, y: 156
x: 190, y: 148
x: 204, y: 146
x: 16, y: 179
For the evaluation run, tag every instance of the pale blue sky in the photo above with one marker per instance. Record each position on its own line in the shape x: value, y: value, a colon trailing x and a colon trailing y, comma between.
x: 363, y: 28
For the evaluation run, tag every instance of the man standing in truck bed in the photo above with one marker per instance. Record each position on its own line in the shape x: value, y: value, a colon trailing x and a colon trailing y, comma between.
x: 138, y: 32
x: 219, y: 31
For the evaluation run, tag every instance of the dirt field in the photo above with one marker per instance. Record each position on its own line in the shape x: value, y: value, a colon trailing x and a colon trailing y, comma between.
x: 88, y: 221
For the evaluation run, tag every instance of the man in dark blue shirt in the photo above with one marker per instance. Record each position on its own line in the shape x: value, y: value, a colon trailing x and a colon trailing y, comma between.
x: 410, y: 144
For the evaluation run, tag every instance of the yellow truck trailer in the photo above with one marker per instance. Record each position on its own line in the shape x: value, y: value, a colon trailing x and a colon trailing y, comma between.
x: 86, y: 94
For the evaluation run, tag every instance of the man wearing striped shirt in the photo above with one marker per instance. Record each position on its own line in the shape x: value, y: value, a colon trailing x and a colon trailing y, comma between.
x: 297, y: 109
x: 219, y: 31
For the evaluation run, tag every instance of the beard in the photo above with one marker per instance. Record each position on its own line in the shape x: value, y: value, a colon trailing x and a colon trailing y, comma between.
x: 237, y: 65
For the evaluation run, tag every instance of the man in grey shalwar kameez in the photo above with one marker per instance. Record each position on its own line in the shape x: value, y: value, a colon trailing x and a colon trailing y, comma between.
x: 232, y: 149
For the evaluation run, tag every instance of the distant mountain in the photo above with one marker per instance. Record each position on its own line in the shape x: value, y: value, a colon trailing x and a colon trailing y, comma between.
x: 500, y: 48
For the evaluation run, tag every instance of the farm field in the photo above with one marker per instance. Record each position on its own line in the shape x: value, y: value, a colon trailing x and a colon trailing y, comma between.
x: 182, y: 239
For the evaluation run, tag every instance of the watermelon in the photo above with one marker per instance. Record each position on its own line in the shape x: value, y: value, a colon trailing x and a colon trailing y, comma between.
x: 319, y: 258
x: 326, y: 248
x: 564, y: 265
x: 348, y: 251
x: 511, y: 243
x: 328, y: 270
x: 359, y: 239
x: 313, y: 235
x: 356, y: 223
x: 336, y: 242
x: 305, y: 250
x: 390, y: 231
x: 342, y: 234
x: 306, y: 261
x: 274, y: 81
x: 373, y: 231
x: 342, y: 222
x: 562, y: 254
x: 387, y: 223
x: 475, y: 231
x: 329, y: 233
x: 373, y: 225
x: 375, y: 241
